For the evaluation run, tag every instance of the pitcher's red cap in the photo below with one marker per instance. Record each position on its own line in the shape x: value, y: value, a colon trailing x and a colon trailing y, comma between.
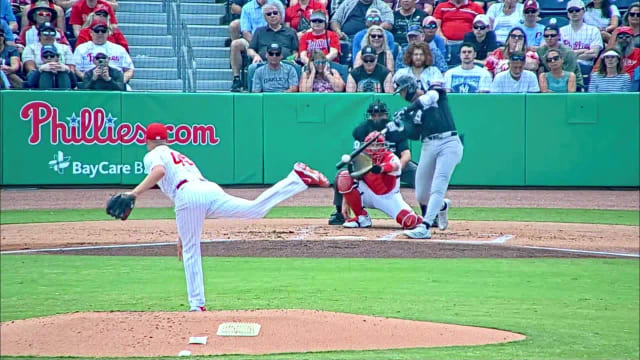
x: 157, y: 131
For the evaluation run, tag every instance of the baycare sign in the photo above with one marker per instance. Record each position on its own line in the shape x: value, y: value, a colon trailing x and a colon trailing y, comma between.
x: 94, y: 126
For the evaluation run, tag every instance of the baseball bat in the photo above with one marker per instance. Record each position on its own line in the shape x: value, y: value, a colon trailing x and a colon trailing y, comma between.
x: 357, y: 151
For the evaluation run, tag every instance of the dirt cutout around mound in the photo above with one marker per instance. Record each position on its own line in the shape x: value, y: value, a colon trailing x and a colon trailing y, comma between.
x: 120, y: 334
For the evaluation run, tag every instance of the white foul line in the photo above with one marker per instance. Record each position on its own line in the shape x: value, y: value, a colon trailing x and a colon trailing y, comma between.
x: 580, y: 251
x: 98, y: 247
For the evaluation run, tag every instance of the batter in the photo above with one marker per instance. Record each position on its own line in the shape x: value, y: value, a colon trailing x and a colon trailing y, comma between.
x: 429, y: 118
x: 377, y: 189
x: 196, y: 198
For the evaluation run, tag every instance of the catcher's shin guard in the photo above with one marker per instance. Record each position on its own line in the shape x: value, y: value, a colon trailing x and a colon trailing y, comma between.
x: 408, y: 219
x: 347, y: 187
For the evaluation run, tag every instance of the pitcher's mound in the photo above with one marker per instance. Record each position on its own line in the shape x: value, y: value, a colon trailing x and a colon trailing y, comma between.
x: 105, y: 334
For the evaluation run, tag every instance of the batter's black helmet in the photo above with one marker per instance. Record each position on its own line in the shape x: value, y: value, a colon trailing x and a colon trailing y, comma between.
x: 377, y: 107
x: 406, y: 82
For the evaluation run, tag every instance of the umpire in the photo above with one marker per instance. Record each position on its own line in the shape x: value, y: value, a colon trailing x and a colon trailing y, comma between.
x: 377, y: 117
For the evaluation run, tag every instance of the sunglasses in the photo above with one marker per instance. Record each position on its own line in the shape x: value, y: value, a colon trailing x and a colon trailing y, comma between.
x: 530, y: 11
x: 517, y: 58
x: 373, y: 18
x: 476, y: 27
x: 624, y: 36
x: 553, y: 59
x: 48, y: 33
x: 369, y: 60
x: 549, y: 36
x: 273, y: 13
x: 44, y: 13
x: 609, y: 57
x: 102, y: 13
x: 517, y: 37
x: 317, y: 21
x: 319, y: 62
x: 100, y: 31
x: 430, y: 26
x: 634, y: 14
x: 47, y: 57
x: 274, y: 53
x: 574, y: 10
x: 376, y: 36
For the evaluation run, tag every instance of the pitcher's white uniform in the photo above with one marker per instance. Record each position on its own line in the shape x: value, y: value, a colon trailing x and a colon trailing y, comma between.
x: 195, y: 199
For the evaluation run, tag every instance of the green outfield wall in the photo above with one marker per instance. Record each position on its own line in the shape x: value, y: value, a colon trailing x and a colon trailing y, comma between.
x: 94, y: 138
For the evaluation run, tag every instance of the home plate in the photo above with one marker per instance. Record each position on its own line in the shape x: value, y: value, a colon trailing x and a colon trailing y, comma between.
x: 238, y: 329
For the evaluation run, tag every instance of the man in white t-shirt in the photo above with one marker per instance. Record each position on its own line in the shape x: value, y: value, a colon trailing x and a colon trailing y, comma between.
x: 86, y: 52
x: 516, y: 80
x: 583, y: 39
x: 467, y: 78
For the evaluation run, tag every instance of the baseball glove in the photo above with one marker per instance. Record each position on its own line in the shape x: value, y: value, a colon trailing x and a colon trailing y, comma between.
x: 360, y: 165
x: 120, y: 205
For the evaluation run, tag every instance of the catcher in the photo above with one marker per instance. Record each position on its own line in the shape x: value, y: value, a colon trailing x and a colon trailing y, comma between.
x: 373, y: 181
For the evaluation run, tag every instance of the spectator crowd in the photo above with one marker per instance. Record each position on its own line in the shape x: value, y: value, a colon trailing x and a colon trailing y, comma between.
x: 466, y: 46
x: 63, y: 44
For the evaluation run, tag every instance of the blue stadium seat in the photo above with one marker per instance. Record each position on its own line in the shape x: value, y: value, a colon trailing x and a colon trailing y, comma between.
x: 622, y: 4
x: 559, y: 20
x: 343, y: 70
x: 552, y: 7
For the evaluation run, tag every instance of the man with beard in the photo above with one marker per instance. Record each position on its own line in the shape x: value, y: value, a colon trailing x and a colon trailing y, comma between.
x: 376, y: 119
x: 630, y: 53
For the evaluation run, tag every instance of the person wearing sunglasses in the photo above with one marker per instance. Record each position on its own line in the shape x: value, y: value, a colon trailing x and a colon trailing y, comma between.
x: 504, y: 16
x: 585, y: 40
x: 370, y: 76
x: 516, y: 79
x: 375, y: 38
x: 31, y: 55
x: 603, y: 15
x: 319, y: 77
x: 431, y: 37
x: 610, y: 76
x: 274, y: 32
x: 82, y: 8
x: 114, y: 34
x: 103, y: 76
x: 276, y: 76
x: 551, y: 35
x: 498, y: 60
x: 482, y: 38
x: 86, y: 52
x: 38, y: 14
x: 415, y: 35
x: 9, y: 62
x: 630, y: 54
x: 51, y: 74
x: 298, y: 16
x: 319, y: 39
x: 531, y: 27
x: 404, y: 17
x: 557, y: 80
x: 372, y: 18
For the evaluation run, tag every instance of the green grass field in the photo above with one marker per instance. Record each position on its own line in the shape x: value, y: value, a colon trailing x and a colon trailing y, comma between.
x: 568, y: 309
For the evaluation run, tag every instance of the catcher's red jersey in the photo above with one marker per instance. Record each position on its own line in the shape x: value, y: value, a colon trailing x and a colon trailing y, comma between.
x: 384, y: 183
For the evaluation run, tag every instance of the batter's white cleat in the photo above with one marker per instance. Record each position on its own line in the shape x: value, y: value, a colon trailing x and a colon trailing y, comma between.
x: 310, y: 176
x: 420, y: 232
x: 362, y: 221
x: 198, y: 309
x: 443, y: 216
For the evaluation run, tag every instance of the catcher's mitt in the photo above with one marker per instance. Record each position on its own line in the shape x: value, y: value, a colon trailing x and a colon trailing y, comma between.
x: 120, y: 205
x: 360, y: 165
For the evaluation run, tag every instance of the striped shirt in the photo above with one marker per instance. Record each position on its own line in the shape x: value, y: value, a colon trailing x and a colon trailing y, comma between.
x: 587, y: 37
x: 602, y: 84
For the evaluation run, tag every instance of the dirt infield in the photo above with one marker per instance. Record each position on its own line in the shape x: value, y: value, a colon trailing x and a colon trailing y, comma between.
x: 165, y: 334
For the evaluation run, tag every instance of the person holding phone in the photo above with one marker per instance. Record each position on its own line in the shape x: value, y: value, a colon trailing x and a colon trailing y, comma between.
x: 103, y: 76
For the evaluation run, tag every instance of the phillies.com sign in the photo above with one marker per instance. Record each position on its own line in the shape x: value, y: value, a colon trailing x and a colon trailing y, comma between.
x: 93, y: 126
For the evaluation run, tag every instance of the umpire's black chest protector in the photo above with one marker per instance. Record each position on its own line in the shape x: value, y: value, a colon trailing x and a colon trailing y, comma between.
x: 436, y: 120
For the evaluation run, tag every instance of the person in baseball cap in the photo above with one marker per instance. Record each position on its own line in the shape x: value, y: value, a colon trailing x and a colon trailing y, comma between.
x: 98, y: 23
x: 156, y: 131
x: 575, y: 4
x: 46, y: 27
x: 532, y: 29
x: 48, y: 50
x: 368, y: 53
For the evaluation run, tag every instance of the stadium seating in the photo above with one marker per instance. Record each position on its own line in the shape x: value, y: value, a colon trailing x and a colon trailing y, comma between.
x: 558, y: 20
x: 553, y: 7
